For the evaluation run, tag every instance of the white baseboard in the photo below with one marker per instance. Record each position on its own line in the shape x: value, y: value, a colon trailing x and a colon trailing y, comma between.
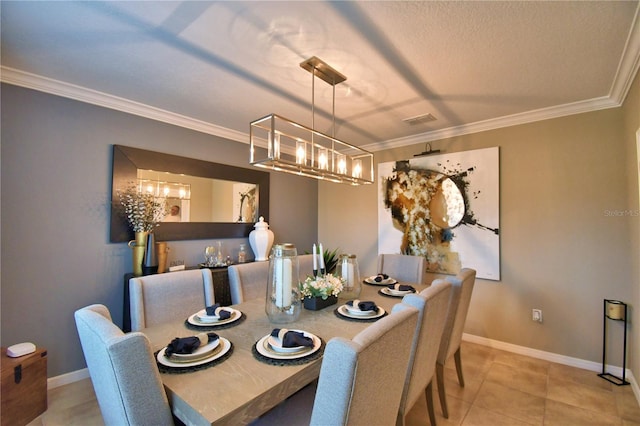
x: 552, y: 357
x: 65, y: 379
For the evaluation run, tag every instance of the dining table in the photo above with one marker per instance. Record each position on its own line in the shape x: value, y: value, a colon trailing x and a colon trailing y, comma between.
x: 243, y: 385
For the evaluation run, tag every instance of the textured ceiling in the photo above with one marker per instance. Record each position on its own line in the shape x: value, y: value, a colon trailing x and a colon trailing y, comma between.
x: 221, y: 65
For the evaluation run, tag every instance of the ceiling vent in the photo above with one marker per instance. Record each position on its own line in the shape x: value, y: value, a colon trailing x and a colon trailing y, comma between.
x: 420, y: 119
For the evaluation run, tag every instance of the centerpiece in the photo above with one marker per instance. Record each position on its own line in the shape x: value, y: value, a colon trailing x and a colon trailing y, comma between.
x: 321, y: 291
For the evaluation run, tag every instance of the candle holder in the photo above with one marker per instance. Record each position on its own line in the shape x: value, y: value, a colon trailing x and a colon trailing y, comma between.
x: 282, y: 303
x: 617, y: 311
x: 348, y: 270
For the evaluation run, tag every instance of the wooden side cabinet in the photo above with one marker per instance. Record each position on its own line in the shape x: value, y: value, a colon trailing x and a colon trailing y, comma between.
x: 24, y: 387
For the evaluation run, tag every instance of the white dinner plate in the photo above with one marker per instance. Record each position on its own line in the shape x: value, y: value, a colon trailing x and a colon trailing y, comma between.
x: 276, y: 345
x: 372, y: 280
x: 220, y: 351
x: 342, y: 310
x: 195, y: 320
x: 200, y: 353
x: 204, y: 318
x: 354, y: 310
x: 395, y: 293
x: 264, y: 349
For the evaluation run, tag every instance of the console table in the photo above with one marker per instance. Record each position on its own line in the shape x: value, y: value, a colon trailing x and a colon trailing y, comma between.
x: 221, y: 291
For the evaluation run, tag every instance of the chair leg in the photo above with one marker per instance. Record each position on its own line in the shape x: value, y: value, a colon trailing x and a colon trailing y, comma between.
x: 441, y: 392
x: 429, y: 395
x: 458, y: 359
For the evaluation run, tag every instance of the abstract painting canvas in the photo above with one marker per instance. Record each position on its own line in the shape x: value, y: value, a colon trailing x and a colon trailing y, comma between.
x: 445, y: 208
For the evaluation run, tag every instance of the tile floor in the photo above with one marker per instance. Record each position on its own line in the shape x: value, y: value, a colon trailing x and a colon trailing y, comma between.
x: 501, y: 388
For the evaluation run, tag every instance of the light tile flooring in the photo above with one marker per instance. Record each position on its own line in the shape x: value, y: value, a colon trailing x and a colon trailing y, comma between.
x: 501, y: 388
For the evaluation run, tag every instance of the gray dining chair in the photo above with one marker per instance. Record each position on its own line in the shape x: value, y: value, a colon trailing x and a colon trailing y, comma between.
x: 249, y: 280
x: 432, y: 304
x: 158, y: 298
x: 462, y: 287
x: 361, y: 380
x: 402, y: 267
x: 123, y: 371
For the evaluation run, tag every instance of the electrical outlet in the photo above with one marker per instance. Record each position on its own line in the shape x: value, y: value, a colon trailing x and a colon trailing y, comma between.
x: 536, y: 315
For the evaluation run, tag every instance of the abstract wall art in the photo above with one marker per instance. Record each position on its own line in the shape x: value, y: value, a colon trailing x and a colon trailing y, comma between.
x: 445, y: 208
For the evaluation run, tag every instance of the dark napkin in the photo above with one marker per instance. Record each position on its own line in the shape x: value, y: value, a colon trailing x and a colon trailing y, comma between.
x: 364, y: 306
x: 381, y: 277
x: 187, y: 345
x: 223, y: 314
x: 291, y: 339
x: 401, y: 287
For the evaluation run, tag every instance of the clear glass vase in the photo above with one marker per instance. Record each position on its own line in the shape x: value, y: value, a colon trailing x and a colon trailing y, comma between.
x: 347, y: 268
x: 283, y: 304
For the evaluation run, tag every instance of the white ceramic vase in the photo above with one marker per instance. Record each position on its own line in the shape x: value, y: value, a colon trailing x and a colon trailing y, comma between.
x: 261, y: 240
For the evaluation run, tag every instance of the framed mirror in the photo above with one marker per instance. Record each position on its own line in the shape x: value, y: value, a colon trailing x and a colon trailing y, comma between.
x: 205, y: 200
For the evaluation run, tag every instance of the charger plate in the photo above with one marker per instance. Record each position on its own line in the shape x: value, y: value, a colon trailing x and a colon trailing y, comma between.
x: 371, y: 280
x: 221, y: 353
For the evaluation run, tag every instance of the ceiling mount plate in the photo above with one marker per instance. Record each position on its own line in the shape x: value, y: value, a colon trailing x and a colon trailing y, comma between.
x: 323, y: 70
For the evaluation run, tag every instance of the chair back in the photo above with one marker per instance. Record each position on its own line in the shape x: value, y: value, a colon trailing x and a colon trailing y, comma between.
x: 361, y: 380
x: 123, y: 371
x: 432, y: 304
x: 159, y: 298
x: 248, y: 281
x: 305, y: 262
x: 462, y: 287
x: 402, y: 267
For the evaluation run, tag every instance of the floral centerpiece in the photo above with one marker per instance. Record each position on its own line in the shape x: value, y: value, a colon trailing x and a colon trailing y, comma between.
x: 321, y: 291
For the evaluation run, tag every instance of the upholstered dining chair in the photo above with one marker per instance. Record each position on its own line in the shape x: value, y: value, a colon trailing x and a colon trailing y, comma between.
x: 462, y: 287
x: 402, y: 267
x: 432, y: 304
x: 249, y: 280
x: 361, y: 379
x: 158, y: 298
x: 123, y: 371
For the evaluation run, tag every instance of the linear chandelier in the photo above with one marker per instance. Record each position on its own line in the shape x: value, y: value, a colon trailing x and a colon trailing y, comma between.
x: 280, y: 144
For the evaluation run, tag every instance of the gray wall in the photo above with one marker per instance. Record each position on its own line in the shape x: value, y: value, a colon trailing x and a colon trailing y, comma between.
x: 560, y: 251
x: 56, y: 180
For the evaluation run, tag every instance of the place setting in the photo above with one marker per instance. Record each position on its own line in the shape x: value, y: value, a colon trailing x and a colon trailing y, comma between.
x: 285, y: 347
x: 214, y: 317
x: 192, y: 353
x: 358, y: 310
x: 396, y: 290
x: 380, y: 279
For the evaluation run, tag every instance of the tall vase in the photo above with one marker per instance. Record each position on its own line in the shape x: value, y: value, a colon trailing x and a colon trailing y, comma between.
x: 138, y: 246
x: 150, y: 263
x: 261, y: 240
x: 162, y: 250
x: 282, y: 304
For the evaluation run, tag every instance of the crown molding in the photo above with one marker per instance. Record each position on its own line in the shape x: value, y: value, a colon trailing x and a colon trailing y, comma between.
x: 497, y: 123
x: 90, y: 96
x: 629, y: 63
x: 628, y: 68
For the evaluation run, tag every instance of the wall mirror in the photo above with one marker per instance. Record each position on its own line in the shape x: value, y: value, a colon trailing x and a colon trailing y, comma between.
x: 206, y: 200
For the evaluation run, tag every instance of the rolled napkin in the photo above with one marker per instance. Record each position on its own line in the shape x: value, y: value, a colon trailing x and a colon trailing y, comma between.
x: 291, y: 339
x: 363, y: 305
x: 381, y: 277
x: 216, y: 310
x: 187, y: 345
x: 400, y: 287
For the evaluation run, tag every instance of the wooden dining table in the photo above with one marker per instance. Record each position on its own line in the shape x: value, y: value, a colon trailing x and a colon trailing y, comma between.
x: 242, y: 387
